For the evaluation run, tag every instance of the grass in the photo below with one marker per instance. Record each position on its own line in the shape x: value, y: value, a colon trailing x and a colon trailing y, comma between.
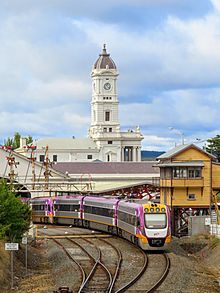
x: 214, y: 241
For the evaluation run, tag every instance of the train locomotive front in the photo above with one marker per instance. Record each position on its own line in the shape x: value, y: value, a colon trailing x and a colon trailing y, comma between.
x: 156, y: 218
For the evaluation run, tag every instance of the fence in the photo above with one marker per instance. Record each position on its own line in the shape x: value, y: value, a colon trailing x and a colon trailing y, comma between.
x: 215, y: 230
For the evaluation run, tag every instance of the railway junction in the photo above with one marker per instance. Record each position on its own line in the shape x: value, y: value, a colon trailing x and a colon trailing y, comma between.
x: 91, y: 261
x: 188, y: 184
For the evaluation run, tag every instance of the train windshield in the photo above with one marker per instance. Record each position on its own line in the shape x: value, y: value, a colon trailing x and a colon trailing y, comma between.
x: 155, y: 221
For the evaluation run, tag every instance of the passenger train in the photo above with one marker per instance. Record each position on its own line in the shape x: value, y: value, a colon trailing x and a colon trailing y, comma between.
x: 144, y: 223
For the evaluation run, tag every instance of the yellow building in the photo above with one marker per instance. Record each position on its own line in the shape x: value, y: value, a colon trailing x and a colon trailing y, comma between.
x: 188, y: 178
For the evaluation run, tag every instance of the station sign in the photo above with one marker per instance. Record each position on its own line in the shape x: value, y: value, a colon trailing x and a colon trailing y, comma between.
x: 11, y: 246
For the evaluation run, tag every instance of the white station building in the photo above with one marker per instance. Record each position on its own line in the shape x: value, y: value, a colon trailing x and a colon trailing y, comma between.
x: 106, y: 142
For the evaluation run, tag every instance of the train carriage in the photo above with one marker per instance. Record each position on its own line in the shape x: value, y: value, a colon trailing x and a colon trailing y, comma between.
x: 128, y: 219
x: 67, y: 210
x: 42, y: 210
x: 99, y: 213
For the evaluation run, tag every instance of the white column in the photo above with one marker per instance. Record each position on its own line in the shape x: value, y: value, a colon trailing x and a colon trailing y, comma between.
x: 122, y: 154
x: 134, y: 154
x: 138, y: 154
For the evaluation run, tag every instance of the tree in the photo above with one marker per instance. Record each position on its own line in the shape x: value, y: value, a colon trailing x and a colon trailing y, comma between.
x: 15, y: 216
x: 29, y: 139
x: 213, y: 146
x: 15, y: 141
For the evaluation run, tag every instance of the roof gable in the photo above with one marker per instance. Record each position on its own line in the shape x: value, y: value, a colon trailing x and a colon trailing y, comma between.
x: 177, y: 151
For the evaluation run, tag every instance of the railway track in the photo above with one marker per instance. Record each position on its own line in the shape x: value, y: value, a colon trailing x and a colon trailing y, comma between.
x: 100, y: 261
x: 70, y: 256
x: 163, y: 275
x: 99, y: 279
x: 111, y: 259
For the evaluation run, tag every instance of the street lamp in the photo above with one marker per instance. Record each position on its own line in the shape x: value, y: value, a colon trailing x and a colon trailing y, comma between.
x: 178, y: 132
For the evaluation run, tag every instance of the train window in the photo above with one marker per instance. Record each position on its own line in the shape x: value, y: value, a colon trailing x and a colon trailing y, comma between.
x: 155, y: 221
x: 129, y: 219
x: 38, y: 207
x: 56, y: 207
x: 67, y: 208
x: 105, y: 212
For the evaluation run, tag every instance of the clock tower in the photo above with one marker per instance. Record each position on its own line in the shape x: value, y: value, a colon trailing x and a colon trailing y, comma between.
x: 113, y: 145
x: 104, y: 105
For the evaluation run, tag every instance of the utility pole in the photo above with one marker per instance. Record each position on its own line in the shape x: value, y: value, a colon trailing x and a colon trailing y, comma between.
x: 47, y: 171
x: 33, y: 159
x: 12, y: 163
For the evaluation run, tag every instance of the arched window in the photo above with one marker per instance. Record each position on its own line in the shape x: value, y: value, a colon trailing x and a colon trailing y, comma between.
x: 107, y: 115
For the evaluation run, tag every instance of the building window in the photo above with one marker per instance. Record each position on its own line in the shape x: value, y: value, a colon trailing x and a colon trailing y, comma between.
x: 179, y: 172
x: 42, y: 158
x: 54, y: 158
x: 109, y: 141
x: 183, y: 172
x: 110, y: 129
x: 104, y: 129
x: 89, y: 157
x: 107, y: 116
x: 108, y: 158
x: 194, y: 173
x: 128, y: 154
x: 191, y: 196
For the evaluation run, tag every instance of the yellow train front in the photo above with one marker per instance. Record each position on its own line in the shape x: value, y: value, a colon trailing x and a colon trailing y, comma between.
x: 155, y: 229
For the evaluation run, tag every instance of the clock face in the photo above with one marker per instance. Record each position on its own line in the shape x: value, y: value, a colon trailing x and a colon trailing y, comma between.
x: 107, y: 86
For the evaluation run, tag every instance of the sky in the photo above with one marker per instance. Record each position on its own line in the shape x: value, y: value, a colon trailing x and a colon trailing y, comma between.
x: 167, y: 53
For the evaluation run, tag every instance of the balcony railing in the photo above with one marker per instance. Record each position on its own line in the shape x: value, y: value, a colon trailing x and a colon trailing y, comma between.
x: 182, y: 182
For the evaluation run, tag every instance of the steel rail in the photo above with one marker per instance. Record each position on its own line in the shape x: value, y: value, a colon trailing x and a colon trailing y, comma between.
x: 140, y: 273
x: 83, y: 274
x: 118, y: 264
x: 164, y: 274
x: 97, y: 262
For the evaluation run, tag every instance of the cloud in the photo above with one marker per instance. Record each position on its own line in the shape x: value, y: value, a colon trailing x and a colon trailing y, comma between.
x: 169, y: 65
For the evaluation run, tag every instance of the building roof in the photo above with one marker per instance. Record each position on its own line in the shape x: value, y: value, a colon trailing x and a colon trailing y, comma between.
x: 180, y: 148
x: 107, y: 167
x: 181, y: 164
x: 67, y: 143
x: 104, y: 61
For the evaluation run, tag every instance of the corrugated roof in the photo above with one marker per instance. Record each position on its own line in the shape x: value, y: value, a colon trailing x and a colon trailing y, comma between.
x: 67, y: 143
x: 174, y: 151
x: 181, y: 164
x: 107, y: 167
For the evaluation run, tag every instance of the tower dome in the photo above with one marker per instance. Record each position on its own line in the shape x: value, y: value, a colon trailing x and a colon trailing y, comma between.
x: 104, y: 61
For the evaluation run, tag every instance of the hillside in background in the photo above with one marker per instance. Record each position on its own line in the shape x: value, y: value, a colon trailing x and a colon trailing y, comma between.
x: 150, y: 155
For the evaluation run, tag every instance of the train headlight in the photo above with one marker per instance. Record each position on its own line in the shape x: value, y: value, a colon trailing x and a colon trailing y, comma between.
x: 163, y: 210
x: 152, y: 210
x: 157, y: 210
x: 146, y: 210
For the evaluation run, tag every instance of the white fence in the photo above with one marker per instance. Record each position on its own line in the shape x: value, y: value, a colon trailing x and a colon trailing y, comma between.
x: 215, y: 230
